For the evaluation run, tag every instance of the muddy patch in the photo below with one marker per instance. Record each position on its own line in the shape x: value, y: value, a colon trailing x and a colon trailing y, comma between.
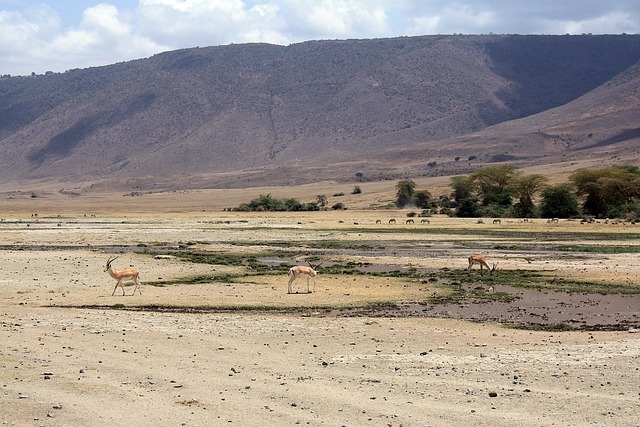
x: 529, y: 309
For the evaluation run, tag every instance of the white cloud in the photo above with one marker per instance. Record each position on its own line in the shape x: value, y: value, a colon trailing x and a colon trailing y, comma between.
x: 611, y: 23
x: 34, y: 38
x: 331, y: 19
x: 455, y: 18
x: 197, y: 8
x: 24, y: 38
x: 264, y: 24
x: 194, y: 22
x: 102, y: 29
x: 428, y: 24
x: 345, y: 18
x: 104, y: 18
x: 21, y: 30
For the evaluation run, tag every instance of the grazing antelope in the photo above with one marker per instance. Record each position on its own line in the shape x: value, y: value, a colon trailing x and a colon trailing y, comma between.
x: 409, y: 221
x: 298, y: 270
x: 121, y: 275
x: 497, y: 221
x: 392, y: 221
x: 482, y: 262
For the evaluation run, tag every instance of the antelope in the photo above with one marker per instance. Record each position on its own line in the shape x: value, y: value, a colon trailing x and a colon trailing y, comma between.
x: 121, y: 275
x: 298, y: 270
x: 482, y: 262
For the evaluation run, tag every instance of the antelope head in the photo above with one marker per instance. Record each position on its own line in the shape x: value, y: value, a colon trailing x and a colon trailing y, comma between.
x: 493, y: 268
x: 109, y: 261
x: 315, y: 267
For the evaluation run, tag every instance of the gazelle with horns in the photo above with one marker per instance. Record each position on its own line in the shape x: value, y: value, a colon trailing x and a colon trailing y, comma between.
x: 298, y: 270
x: 482, y: 262
x: 120, y: 275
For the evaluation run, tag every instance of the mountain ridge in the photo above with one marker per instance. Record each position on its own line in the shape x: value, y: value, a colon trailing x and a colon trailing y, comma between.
x: 242, y: 115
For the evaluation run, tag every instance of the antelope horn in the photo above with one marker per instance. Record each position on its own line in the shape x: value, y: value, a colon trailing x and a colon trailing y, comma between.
x: 110, y: 260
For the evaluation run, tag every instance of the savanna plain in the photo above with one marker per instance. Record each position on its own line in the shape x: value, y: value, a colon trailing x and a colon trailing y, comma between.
x: 397, y: 331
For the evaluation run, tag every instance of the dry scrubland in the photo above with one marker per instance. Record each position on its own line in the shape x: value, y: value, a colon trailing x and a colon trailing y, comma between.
x: 62, y: 364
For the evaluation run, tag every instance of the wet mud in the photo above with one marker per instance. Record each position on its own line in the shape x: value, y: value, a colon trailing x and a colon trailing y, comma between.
x: 537, y: 309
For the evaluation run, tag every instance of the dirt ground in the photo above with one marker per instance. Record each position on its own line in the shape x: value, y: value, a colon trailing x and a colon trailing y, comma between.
x: 64, y: 366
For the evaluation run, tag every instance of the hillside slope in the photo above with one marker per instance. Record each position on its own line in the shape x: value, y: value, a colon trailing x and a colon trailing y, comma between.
x: 240, y: 114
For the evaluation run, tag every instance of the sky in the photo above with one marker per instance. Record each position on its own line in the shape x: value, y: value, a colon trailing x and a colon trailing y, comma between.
x: 59, y: 35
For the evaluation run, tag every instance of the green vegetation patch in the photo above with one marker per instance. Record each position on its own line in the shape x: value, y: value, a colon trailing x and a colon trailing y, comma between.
x: 251, y: 262
x: 455, y: 279
x: 537, y: 280
x: 316, y: 244
x: 197, y: 280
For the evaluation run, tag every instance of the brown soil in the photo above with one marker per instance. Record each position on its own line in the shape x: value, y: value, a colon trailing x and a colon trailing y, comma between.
x: 77, y: 366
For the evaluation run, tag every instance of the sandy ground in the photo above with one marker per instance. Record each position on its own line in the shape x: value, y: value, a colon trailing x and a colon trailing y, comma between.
x: 63, y: 366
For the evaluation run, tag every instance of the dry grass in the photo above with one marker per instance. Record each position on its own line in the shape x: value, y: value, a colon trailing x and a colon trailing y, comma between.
x: 52, y: 198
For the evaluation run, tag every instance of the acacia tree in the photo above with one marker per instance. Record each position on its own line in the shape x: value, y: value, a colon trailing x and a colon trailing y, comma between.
x: 322, y: 201
x: 423, y: 199
x: 405, y: 190
x: 492, y: 183
x: 524, y: 188
x: 468, y: 208
x: 559, y: 201
x: 463, y: 187
x: 606, y: 189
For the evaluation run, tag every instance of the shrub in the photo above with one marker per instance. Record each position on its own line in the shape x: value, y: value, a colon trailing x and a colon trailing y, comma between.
x: 264, y: 203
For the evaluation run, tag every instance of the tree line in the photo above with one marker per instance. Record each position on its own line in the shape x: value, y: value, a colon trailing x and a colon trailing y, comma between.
x: 505, y: 191
x: 268, y: 203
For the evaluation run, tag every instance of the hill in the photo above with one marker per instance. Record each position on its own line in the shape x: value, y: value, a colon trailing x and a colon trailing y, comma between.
x: 258, y: 114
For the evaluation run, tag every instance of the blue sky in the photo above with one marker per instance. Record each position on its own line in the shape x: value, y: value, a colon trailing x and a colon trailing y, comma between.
x: 47, y: 35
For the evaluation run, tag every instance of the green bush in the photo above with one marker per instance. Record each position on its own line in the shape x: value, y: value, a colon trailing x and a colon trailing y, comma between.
x: 268, y: 203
